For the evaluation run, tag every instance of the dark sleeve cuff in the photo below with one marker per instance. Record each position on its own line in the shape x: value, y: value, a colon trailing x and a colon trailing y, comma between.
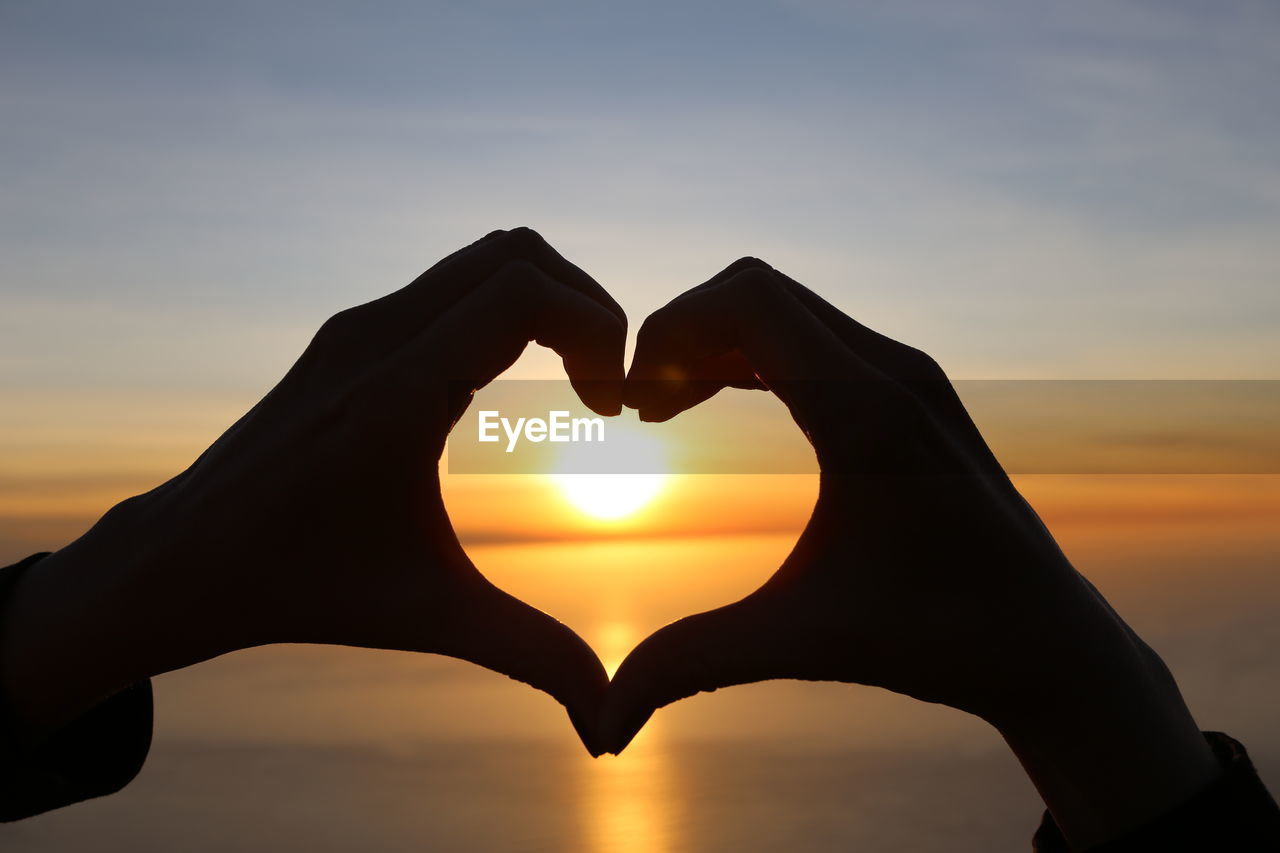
x: 1234, y: 814
x: 96, y: 754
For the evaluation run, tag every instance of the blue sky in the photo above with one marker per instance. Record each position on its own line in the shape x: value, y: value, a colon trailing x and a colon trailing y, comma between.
x: 1023, y: 189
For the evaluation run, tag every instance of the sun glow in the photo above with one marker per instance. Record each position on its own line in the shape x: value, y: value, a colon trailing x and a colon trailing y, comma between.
x: 612, y: 496
x: 609, y: 496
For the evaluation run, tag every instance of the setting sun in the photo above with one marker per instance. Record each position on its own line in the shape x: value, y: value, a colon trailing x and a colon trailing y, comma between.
x: 611, y: 496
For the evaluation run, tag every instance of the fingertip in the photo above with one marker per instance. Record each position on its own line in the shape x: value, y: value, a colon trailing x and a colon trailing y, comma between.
x: 625, y: 708
x: 621, y: 746
x: 654, y: 416
x: 587, y: 728
x: 602, y: 396
x: 631, y: 395
x: 617, y: 731
x: 662, y: 406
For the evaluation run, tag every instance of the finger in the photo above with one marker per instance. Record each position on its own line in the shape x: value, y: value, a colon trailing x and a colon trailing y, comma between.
x: 485, y: 333
x: 740, y: 265
x: 737, y: 644
x: 503, y: 634
x: 545, y: 256
x: 725, y: 370
x: 403, y: 314
x: 731, y: 370
x: 914, y: 369
x: 891, y: 357
x: 358, y: 336
x: 447, y: 261
x: 443, y: 284
x: 706, y: 379
x: 753, y: 312
x: 731, y: 366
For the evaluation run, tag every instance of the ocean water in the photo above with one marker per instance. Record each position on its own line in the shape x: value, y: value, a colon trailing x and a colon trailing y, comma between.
x: 300, y: 748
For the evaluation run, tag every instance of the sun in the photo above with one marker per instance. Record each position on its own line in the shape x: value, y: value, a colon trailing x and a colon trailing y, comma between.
x: 611, y: 496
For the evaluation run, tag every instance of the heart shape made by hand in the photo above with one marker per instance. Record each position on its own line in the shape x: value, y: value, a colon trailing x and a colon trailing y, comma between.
x: 318, y: 516
x: 915, y: 565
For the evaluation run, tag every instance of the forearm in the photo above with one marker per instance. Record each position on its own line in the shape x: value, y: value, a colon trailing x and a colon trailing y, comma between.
x: 1115, y: 750
x: 105, y: 612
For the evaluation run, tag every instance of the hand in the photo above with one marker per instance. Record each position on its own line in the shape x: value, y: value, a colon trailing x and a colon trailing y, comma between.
x: 922, y: 570
x: 318, y: 517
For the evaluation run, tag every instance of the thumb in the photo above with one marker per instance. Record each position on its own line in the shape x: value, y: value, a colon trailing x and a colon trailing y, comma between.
x: 502, y: 633
x: 737, y: 644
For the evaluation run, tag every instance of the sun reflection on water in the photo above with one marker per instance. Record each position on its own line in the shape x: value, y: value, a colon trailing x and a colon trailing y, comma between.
x: 630, y: 804
x: 629, y: 800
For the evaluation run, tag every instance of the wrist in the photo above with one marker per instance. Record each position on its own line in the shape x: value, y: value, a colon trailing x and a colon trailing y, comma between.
x: 1114, y: 751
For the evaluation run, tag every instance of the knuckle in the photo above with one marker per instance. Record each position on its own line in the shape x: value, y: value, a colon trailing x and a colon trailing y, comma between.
x: 747, y: 262
x: 524, y: 240
x: 920, y: 365
x: 343, y: 324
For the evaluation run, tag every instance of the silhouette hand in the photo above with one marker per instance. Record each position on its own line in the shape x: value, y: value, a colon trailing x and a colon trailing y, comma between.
x: 922, y: 570
x: 318, y: 517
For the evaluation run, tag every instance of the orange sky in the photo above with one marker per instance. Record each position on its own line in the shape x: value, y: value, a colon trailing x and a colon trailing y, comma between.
x: 67, y: 457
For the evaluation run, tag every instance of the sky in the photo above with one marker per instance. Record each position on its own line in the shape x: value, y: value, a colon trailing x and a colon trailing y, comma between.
x: 1042, y: 189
